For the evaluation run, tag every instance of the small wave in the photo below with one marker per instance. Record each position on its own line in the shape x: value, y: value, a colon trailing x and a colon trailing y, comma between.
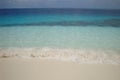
x: 97, y: 56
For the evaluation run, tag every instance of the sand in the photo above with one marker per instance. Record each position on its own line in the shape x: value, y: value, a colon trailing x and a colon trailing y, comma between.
x: 89, y: 56
x: 42, y: 69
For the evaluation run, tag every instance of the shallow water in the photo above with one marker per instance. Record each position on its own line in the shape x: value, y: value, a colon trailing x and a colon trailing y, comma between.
x: 60, y: 37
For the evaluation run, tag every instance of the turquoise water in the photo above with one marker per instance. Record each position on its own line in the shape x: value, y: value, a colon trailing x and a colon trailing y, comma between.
x: 37, y: 19
x: 60, y: 37
x: 60, y: 28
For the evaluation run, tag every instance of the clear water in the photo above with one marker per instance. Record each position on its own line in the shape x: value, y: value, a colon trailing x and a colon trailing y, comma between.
x: 60, y: 37
x: 60, y: 28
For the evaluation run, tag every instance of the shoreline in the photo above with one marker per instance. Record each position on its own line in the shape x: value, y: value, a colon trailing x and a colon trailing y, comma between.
x: 80, y: 56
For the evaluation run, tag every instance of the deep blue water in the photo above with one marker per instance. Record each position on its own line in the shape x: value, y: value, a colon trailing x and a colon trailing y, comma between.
x: 64, y: 17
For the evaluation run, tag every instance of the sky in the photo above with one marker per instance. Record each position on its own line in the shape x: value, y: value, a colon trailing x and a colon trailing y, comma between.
x: 101, y: 4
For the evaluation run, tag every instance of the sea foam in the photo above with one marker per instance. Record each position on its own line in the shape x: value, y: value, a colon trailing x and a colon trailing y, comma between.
x: 89, y: 56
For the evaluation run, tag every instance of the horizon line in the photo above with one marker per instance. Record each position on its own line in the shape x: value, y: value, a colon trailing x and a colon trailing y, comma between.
x: 64, y: 8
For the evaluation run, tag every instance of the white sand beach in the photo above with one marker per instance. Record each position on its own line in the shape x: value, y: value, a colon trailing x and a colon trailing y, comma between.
x: 58, y: 64
x: 36, y: 69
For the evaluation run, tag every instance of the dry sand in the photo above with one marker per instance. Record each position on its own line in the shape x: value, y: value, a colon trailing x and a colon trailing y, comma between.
x: 37, y: 69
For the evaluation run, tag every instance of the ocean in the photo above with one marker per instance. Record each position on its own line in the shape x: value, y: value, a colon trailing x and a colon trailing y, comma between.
x: 89, y: 31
